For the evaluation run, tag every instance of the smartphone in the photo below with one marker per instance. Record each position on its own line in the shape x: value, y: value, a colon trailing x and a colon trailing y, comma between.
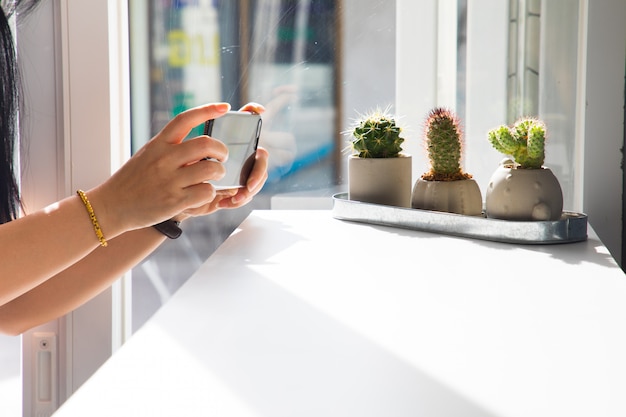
x: 240, y: 132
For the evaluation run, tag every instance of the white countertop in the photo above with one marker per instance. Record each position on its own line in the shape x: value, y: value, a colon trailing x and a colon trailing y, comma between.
x: 300, y: 314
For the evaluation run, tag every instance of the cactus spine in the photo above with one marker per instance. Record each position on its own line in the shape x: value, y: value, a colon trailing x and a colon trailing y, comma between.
x: 377, y: 136
x: 525, y: 142
x: 443, y: 138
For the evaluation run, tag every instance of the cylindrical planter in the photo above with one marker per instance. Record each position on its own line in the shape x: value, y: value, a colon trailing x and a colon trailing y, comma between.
x: 380, y: 180
x: 461, y: 196
x: 524, y: 194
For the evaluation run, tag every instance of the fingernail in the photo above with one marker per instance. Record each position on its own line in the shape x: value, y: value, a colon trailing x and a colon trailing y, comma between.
x: 252, y: 184
x: 236, y: 199
x: 256, y: 108
x: 222, y: 107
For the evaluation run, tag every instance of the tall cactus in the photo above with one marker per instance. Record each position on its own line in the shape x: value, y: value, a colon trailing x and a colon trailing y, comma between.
x: 377, y: 135
x: 525, y: 142
x: 443, y: 138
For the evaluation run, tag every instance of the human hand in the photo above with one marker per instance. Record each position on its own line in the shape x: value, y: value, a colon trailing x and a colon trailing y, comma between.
x: 238, y: 197
x: 167, y: 176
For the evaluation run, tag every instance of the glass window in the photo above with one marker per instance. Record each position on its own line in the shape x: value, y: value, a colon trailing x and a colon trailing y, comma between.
x: 317, y: 64
x: 542, y: 78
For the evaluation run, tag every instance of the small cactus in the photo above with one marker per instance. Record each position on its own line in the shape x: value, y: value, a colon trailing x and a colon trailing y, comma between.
x: 377, y: 135
x: 525, y: 142
x: 443, y: 138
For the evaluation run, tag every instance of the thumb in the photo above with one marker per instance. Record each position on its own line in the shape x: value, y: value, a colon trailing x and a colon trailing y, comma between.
x: 180, y: 126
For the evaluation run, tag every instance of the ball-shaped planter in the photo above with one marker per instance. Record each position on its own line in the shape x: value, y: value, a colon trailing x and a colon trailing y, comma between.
x: 384, y: 181
x: 524, y: 194
x: 460, y: 196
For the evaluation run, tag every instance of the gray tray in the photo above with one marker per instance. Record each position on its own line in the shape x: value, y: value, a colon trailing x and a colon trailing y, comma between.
x: 571, y: 227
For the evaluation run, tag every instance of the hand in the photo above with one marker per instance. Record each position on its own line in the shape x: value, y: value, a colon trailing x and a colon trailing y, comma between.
x: 167, y: 176
x: 238, y: 197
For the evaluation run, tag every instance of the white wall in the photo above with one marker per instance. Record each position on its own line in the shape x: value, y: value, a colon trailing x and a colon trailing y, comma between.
x: 604, y: 120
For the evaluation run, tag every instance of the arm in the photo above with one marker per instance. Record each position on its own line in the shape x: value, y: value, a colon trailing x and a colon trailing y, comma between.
x: 89, y: 276
x: 162, y: 180
x: 94, y: 273
x: 78, y: 283
x: 54, y: 253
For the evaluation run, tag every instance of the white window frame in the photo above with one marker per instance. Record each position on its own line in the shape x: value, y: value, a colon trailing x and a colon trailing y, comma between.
x: 79, y: 110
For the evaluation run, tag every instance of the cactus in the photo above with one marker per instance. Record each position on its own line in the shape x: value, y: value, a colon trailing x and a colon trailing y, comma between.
x: 525, y: 142
x: 377, y: 135
x: 443, y: 138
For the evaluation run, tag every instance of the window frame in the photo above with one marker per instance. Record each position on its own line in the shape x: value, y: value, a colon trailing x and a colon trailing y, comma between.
x: 87, y: 150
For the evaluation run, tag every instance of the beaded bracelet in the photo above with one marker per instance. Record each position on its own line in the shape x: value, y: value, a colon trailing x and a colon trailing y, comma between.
x: 92, y: 216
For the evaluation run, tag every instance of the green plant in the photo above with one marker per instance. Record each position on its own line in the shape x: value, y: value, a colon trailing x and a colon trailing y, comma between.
x: 444, y: 144
x: 524, y: 141
x: 376, y: 135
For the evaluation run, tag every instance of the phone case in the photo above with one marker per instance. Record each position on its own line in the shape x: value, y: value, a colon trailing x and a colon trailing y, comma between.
x: 240, y: 132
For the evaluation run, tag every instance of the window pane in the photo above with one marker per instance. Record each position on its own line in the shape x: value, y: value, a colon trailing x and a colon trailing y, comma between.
x: 316, y: 64
x: 278, y: 53
x: 543, y: 55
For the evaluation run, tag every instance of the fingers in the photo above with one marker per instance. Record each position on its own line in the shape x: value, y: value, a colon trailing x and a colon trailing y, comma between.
x: 211, y: 206
x: 199, y: 195
x: 198, y: 148
x: 253, y: 108
x: 255, y: 183
x: 258, y: 175
x: 202, y: 171
x: 180, y: 126
x: 238, y: 197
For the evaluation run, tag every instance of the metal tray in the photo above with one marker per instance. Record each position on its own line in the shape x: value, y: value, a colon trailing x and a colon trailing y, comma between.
x: 571, y: 227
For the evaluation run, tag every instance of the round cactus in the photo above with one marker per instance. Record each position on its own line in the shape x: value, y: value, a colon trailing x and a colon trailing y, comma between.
x: 443, y: 138
x: 377, y: 135
x: 525, y: 142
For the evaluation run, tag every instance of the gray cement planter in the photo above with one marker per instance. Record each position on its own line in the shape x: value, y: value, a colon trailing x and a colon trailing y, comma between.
x: 461, y: 196
x: 380, y: 180
x: 524, y: 194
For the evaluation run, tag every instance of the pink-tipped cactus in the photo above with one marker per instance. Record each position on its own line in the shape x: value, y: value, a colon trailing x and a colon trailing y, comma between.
x: 443, y: 138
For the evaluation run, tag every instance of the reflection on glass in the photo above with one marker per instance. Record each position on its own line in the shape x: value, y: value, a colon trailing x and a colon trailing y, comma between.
x: 523, y: 62
x: 277, y: 53
x: 542, y: 74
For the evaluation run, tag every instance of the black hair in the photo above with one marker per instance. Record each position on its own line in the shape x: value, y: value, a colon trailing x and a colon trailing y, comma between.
x: 10, y: 94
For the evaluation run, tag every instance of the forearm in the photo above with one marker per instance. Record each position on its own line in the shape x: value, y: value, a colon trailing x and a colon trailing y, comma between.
x: 79, y: 283
x: 43, y: 244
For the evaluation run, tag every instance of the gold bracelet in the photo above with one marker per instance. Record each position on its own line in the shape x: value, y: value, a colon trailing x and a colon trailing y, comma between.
x: 94, y: 219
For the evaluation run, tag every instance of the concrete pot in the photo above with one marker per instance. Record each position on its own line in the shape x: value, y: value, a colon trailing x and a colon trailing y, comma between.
x: 461, y: 196
x: 524, y: 194
x: 380, y: 180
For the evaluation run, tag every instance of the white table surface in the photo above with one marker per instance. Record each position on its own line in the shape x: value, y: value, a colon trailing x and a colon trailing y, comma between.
x: 300, y: 314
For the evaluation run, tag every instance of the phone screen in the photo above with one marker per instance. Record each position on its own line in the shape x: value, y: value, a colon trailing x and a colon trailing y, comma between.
x: 240, y: 132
